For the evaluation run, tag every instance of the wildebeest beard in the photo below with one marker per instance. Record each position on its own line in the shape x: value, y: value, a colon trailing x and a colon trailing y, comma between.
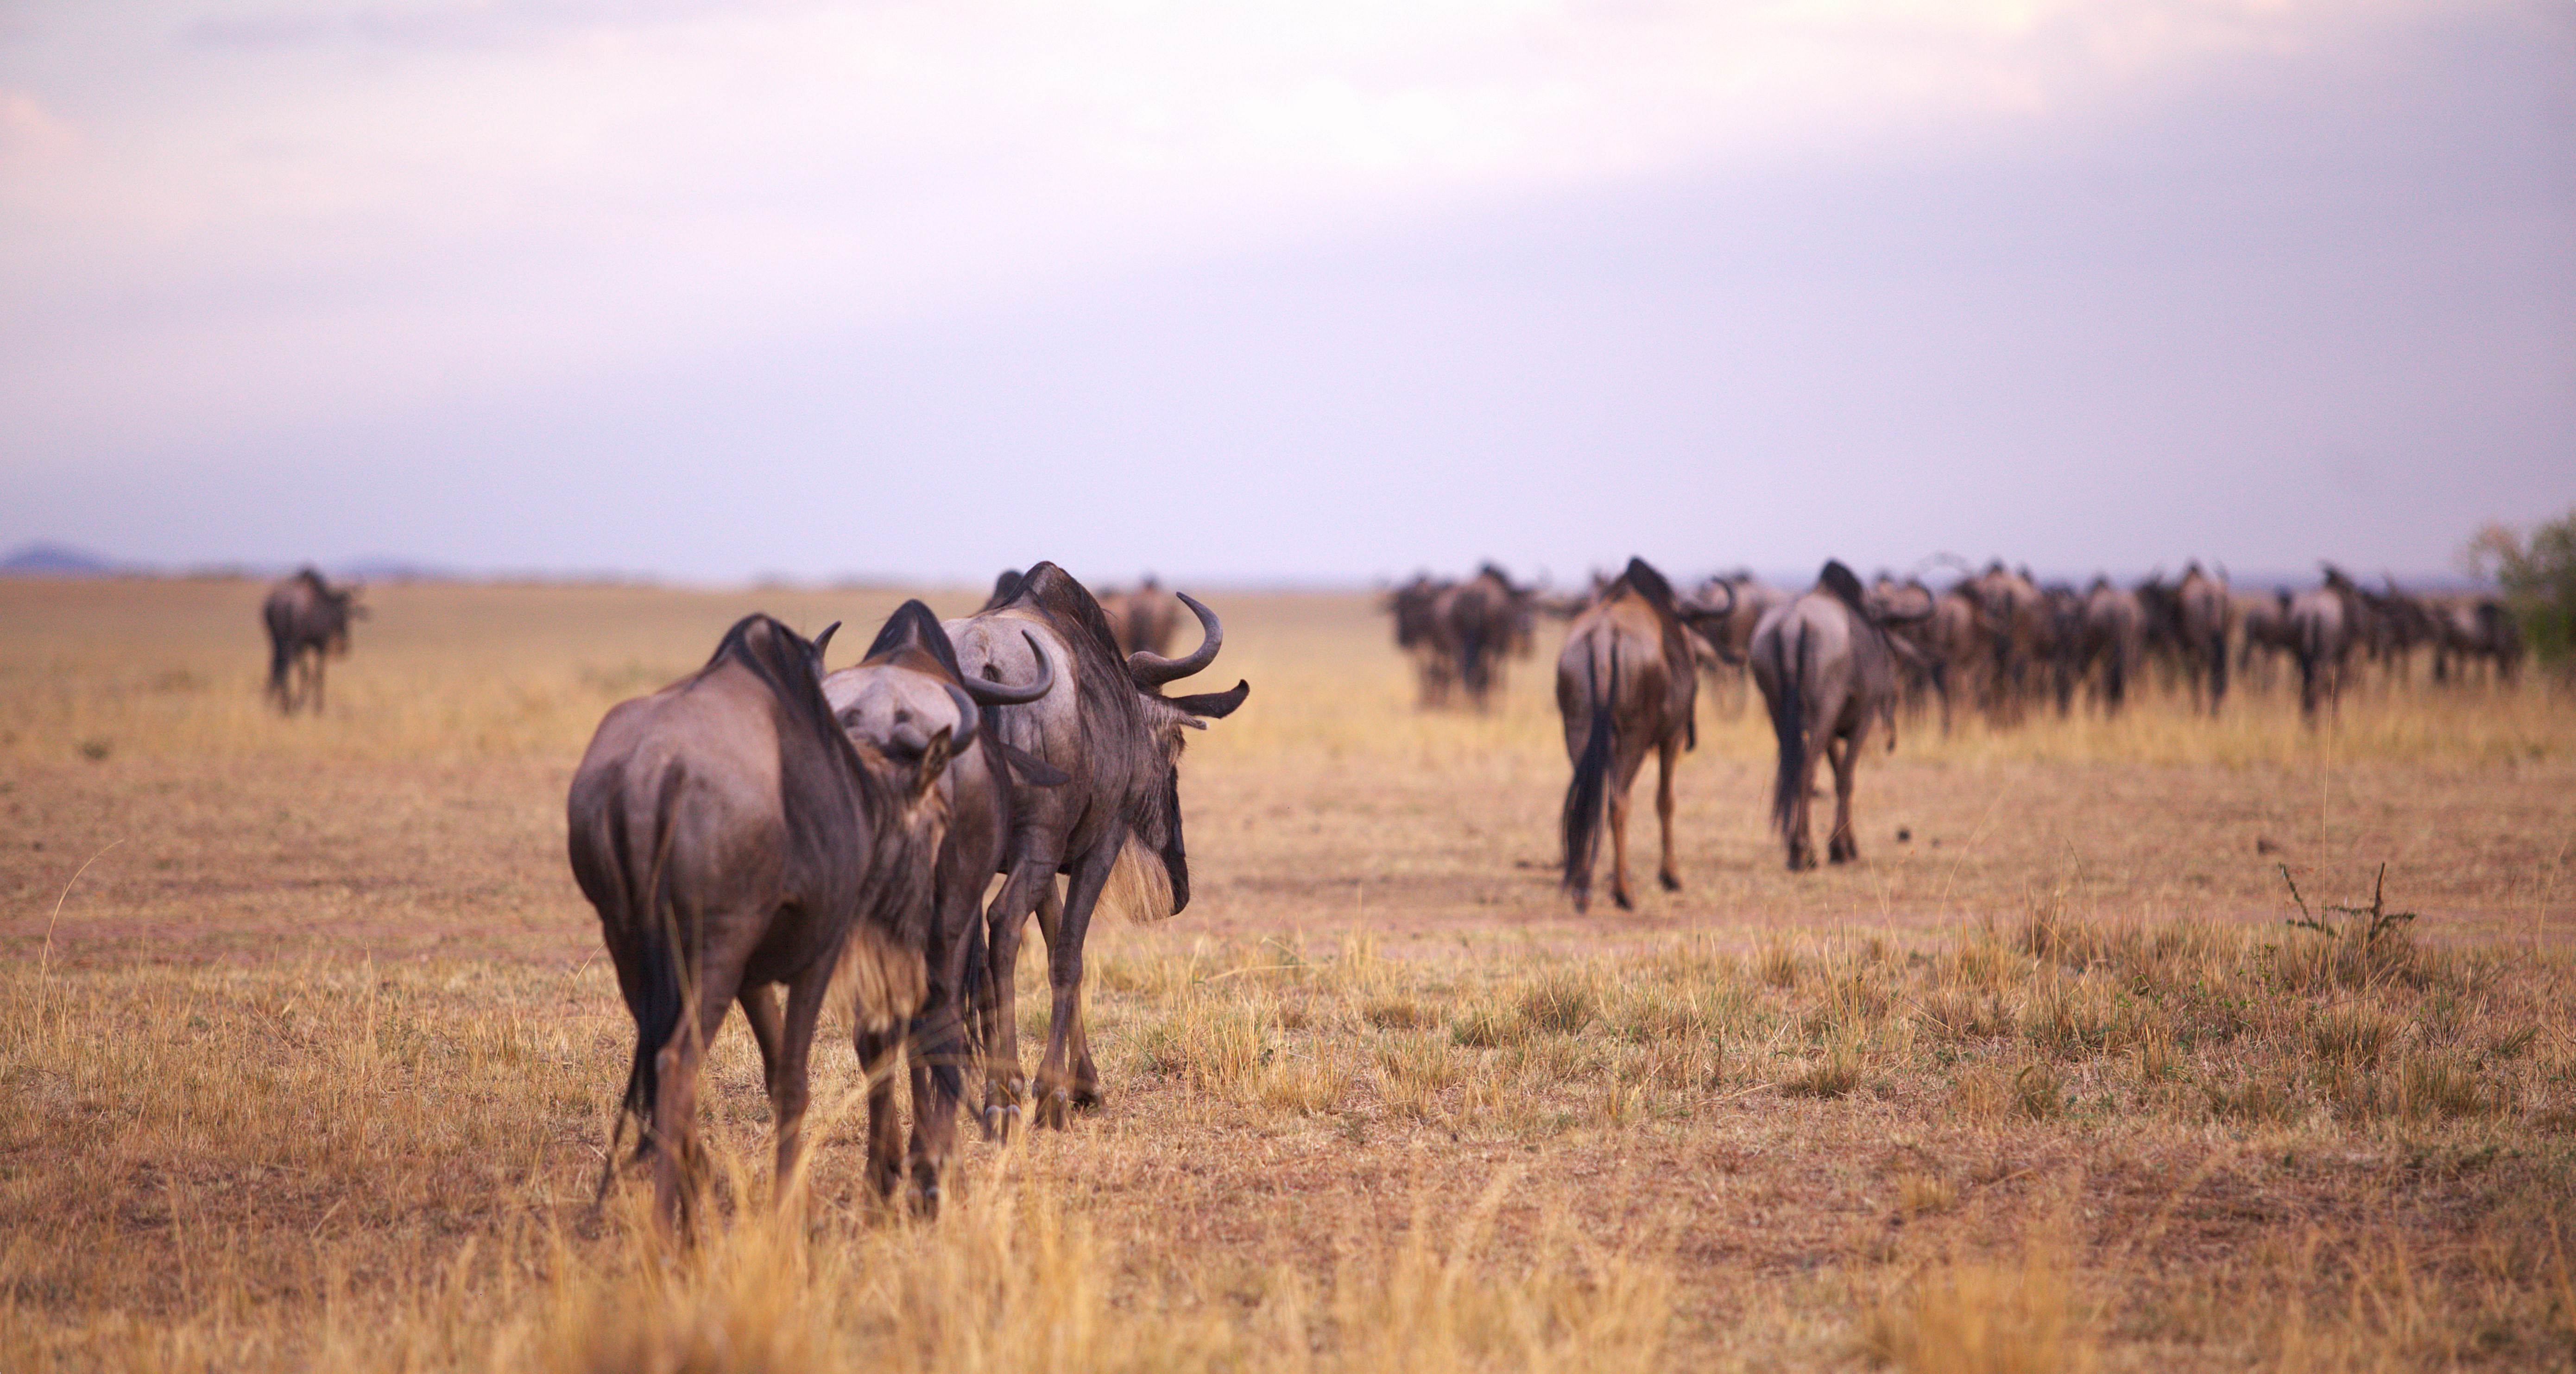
x: 1175, y: 861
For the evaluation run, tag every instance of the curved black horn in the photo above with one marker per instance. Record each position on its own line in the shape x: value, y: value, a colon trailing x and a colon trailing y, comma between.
x: 1153, y: 670
x: 1714, y: 612
x: 967, y: 718
x: 996, y: 694
x: 824, y: 640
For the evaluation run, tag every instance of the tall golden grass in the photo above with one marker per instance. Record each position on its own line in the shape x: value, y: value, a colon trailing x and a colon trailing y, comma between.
x: 2058, y: 1092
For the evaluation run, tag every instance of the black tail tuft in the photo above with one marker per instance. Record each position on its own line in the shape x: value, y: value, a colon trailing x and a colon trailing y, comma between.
x: 1789, y: 723
x: 1586, y: 794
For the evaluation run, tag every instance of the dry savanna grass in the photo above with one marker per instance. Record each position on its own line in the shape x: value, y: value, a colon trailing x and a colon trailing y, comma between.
x: 309, y: 1055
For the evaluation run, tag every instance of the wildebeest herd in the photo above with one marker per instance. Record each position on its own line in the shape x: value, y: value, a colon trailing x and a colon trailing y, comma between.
x: 1835, y: 663
x: 761, y: 824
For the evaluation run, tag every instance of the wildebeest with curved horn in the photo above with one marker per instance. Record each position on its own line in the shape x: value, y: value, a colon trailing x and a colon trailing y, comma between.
x: 1828, y: 674
x: 1108, y: 727
x: 308, y: 621
x: 1627, y: 682
x: 732, y: 837
x: 897, y: 700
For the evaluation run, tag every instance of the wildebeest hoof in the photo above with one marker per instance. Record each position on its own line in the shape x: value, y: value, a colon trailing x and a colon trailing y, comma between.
x: 1086, y: 1098
x: 1053, y: 1110
x: 1671, y: 883
x: 1622, y: 899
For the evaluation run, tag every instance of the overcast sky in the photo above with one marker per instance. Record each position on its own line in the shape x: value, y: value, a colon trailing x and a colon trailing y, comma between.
x: 1284, y: 289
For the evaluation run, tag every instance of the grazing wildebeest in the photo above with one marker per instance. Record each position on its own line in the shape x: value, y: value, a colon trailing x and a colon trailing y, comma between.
x: 1415, y: 608
x: 1108, y: 727
x: 732, y: 837
x: 896, y: 701
x: 2020, y: 628
x: 2325, y: 622
x: 2474, y: 630
x: 1477, y: 624
x: 2112, y: 642
x: 1626, y: 682
x: 2204, y: 612
x: 1828, y: 674
x: 2265, y: 636
x: 308, y: 621
x: 1145, y: 618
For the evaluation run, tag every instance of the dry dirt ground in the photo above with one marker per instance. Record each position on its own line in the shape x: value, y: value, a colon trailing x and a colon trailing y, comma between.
x: 307, y: 1052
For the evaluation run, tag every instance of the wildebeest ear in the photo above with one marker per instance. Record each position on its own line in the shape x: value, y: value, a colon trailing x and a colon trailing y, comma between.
x: 1217, y: 705
x: 1034, y: 771
x: 934, y: 761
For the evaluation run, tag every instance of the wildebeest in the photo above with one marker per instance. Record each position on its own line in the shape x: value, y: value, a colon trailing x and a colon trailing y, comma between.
x: 2325, y: 622
x: 1145, y: 618
x: 2112, y: 642
x: 2265, y: 636
x: 1828, y: 674
x: 1726, y: 638
x: 2475, y: 630
x: 1627, y: 682
x: 1415, y: 607
x: 897, y: 700
x: 308, y: 621
x: 732, y: 837
x: 2020, y: 629
x: 2204, y: 612
x: 1107, y: 726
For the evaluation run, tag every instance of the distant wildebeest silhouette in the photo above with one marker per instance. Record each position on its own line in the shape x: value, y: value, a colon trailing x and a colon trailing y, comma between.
x: 1145, y: 618
x: 308, y: 621
x: 2326, y: 622
x: 1107, y: 726
x: 732, y: 837
x: 1627, y: 683
x: 1828, y: 674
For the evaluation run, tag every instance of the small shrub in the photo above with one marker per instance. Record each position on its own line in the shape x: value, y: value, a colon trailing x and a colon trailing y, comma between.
x: 2037, y: 1093
x: 1561, y: 1002
x: 1833, y: 1075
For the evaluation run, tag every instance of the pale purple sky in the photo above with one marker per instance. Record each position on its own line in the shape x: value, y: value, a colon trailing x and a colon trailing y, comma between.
x: 1297, y: 290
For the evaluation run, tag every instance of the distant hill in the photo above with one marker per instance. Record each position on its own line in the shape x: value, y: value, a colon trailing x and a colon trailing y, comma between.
x: 56, y: 560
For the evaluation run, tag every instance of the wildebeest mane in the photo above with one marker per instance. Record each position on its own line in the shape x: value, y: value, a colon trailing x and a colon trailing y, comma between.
x: 913, y: 624
x: 1650, y: 584
x: 1844, y: 585
x: 785, y: 661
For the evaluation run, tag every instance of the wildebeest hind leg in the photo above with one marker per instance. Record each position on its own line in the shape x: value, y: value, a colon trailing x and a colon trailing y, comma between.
x: 789, y: 1085
x: 1052, y: 1089
x: 1032, y: 880
x: 1669, y: 753
x: 878, y: 1049
x: 1844, y: 754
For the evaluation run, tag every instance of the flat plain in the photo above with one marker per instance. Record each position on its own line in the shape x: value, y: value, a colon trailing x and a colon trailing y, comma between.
x: 309, y: 1052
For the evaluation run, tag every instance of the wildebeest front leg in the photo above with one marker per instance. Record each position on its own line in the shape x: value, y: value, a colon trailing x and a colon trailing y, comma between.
x: 1843, y: 847
x: 1032, y: 880
x: 1668, y: 754
x: 1064, y: 981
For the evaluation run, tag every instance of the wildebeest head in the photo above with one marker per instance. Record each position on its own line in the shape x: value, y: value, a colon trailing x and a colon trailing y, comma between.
x: 1132, y: 690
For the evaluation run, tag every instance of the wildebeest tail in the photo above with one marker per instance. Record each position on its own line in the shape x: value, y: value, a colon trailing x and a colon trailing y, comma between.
x: 1789, y: 721
x: 1586, y: 794
x: 655, y: 993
